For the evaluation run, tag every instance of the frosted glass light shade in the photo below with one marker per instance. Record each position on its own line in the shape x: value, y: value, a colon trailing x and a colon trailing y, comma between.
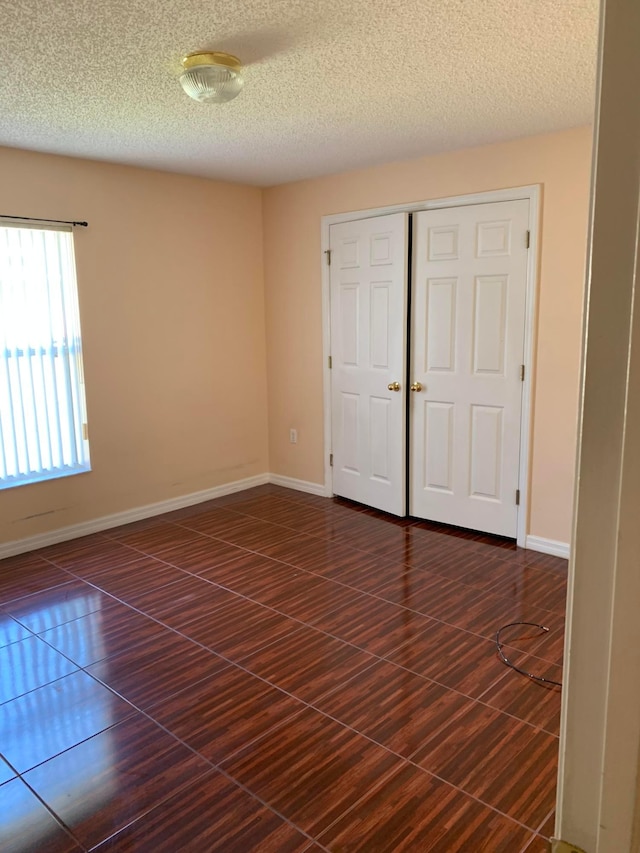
x: 212, y: 77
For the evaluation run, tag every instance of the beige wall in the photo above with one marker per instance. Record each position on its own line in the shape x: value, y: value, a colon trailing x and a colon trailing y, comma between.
x: 561, y: 164
x: 173, y: 317
x: 170, y: 277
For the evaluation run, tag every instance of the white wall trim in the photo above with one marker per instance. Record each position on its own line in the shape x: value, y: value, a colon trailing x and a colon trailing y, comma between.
x: 530, y: 192
x: 95, y: 525
x: 489, y: 197
x: 299, y: 485
x: 326, y: 352
x: 548, y: 546
x: 106, y: 522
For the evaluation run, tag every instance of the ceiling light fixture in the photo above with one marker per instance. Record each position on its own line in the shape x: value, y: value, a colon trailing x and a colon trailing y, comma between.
x: 212, y: 78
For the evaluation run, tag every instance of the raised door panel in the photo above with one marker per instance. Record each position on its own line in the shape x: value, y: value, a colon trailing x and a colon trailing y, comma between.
x: 489, y: 324
x: 380, y: 342
x: 348, y: 324
x: 438, y: 420
x: 486, y: 452
x: 440, y: 337
x: 350, y: 433
x: 381, y: 458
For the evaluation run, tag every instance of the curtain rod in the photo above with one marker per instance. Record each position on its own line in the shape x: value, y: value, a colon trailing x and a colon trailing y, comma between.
x: 34, y: 219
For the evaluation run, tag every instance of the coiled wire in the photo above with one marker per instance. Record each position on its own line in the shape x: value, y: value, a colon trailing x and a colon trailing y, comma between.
x: 506, y: 660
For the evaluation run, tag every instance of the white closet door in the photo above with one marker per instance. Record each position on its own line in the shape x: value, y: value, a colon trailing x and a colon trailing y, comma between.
x: 369, y: 262
x: 467, y: 338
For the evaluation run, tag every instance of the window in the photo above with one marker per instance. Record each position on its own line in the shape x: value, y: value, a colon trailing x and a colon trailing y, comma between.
x: 42, y: 403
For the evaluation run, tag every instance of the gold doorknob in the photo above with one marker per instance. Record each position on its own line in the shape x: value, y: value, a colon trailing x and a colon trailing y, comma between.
x: 416, y: 386
x: 393, y: 386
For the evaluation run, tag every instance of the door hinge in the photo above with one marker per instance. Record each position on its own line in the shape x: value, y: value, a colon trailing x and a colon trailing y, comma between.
x: 328, y: 256
x: 522, y: 373
x: 331, y: 460
x: 517, y: 497
x: 527, y: 239
x: 330, y: 363
x: 85, y: 432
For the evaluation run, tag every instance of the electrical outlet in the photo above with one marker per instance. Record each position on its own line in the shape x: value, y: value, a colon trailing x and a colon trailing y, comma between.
x: 293, y: 436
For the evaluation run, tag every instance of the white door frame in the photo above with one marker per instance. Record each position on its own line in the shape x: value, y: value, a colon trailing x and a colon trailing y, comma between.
x: 532, y: 193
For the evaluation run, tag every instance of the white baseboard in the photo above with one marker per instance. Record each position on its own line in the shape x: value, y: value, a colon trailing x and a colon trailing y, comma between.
x: 548, y: 546
x: 299, y: 485
x: 74, y: 531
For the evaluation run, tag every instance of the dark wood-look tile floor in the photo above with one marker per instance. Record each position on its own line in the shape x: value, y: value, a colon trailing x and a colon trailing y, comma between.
x: 273, y: 671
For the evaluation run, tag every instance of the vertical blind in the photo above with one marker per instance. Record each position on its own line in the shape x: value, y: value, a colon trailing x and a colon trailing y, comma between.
x: 42, y: 403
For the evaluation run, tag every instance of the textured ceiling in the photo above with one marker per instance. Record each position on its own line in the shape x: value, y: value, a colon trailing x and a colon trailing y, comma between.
x: 331, y: 85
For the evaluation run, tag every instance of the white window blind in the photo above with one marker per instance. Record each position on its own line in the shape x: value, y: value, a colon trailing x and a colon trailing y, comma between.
x: 42, y: 403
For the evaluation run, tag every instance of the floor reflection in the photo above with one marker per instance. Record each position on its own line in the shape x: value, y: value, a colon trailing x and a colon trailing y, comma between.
x: 27, y: 665
x: 57, y: 707
x: 61, y: 605
x: 25, y: 824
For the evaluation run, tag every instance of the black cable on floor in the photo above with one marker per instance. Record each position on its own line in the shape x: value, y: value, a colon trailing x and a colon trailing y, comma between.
x: 506, y: 660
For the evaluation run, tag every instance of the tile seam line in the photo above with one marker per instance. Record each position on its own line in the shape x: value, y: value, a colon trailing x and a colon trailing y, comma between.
x: 301, y: 623
x: 53, y: 814
x: 193, y: 751
x: 362, y: 592
x: 220, y: 766
x: 310, y: 705
x: 292, y: 565
x: 47, y: 683
x: 370, y: 555
x: 137, y: 709
x: 377, y: 658
x: 294, y: 533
